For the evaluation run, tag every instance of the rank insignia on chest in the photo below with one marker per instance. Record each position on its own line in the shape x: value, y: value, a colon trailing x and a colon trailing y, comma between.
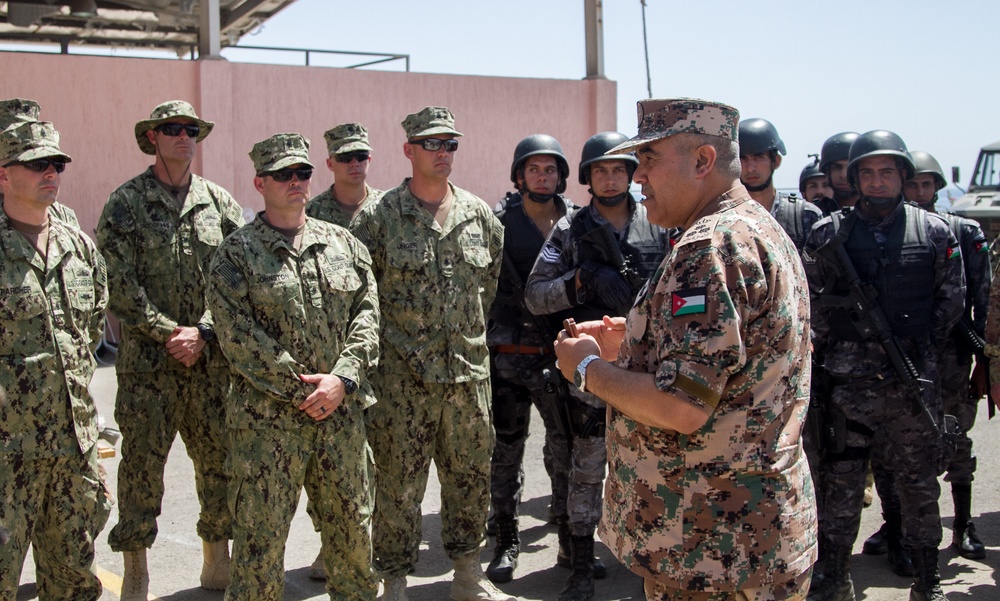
x: 688, y: 302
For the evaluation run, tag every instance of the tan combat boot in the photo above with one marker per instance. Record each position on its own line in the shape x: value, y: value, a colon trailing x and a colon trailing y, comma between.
x: 470, y: 584
x: 317, y: 571
x: 394, y: 589
x: 135, y: 581
x: 215, y: 569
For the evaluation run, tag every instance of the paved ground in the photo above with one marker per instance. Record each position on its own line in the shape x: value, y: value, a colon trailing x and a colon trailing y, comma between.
x: 175, y: 559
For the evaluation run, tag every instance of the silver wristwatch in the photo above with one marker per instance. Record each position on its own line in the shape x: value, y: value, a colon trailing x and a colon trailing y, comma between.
x: 580, y: 376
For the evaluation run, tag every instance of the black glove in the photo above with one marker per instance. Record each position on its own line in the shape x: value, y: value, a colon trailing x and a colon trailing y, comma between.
x: 603, y: 285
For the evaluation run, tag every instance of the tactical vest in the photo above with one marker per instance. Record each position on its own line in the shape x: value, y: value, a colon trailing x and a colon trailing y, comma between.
x: 788, y: 213
x: 901, y: 270
x: 643, y: 247
x: 521, y: 244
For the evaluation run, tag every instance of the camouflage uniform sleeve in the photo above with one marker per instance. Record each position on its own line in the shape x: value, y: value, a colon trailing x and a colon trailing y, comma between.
x: 949, y: 281
x: 251, y: 352
x: 698, y: 352
x: 116, y: 239
x: 554, y: 274
x: 495, y: 229
x: 232, y: 220
x: 820, y: 234
x: 978, y: 271
x: 368, y: 229
x: 361, y: 345
x: 811, y: 214
x: 101, y: 293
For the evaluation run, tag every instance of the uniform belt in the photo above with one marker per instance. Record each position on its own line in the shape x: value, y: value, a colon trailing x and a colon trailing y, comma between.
x: 519, y: 349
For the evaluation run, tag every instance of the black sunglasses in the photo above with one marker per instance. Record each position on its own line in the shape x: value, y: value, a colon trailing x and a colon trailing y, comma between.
x: 174, y: 129
x: 434, y: 144
x: 41, y: 165
x: 360, y: 156
x: 284, y: 175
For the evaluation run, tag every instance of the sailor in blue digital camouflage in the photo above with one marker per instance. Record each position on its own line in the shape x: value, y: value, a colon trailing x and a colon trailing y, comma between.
x: 158, y: 232
x: 350, y: 156
x: 954, y: 369
x: 761, y: 150
x: 907, y: 263
x: 15, y: 111
x: 708, y: 495
x: 436, y: 252
x: 53, y: 296
x: 593, y: 264
x: 296, y: 310
x: 522, y: 364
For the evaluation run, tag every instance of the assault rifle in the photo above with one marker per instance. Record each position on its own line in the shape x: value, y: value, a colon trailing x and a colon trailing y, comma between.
x: 966, y: 335
x: 861, y: 304
x: 603, y: 239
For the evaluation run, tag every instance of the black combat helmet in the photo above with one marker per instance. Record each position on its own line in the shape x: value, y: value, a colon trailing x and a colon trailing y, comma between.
x: 923, y: 162
x: 808, y: 172
x: 836, y: 148
x: 874, y: 143
x: 594, y: 149
x: 540, y: 144
x: 758, y: 136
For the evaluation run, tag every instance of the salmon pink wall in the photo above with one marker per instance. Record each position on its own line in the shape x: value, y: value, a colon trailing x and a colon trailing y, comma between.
x: 96, y: 101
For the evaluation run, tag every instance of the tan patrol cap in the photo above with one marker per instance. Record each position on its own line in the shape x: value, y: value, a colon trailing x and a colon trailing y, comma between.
x: 664, y: 117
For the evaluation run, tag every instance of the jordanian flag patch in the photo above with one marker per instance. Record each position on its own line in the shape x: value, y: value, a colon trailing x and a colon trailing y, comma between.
x: 982, y: 247
x: 953, y: 252
x: 688, y: 302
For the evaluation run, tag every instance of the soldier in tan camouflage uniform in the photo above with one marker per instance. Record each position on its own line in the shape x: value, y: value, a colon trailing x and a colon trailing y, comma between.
x: 708, y: 495
x: 53, y: 294
x: 436, y: 251
x: 158, y: 232
x: 15, y: 111
x: 350, y: 155
x: 296, y: 307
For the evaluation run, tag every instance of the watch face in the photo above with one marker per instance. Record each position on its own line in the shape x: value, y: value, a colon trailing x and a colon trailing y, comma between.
x: 578, y: 378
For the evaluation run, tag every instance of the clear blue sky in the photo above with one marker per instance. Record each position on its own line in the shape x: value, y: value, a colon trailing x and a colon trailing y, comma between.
x: 928, y: 70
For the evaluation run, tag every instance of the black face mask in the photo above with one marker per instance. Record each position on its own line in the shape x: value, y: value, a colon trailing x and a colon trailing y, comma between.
x: 880, y: 202
x: 539, y: 198
x: 842, y: 196
x: 761, y: 187
x: 610, y: 201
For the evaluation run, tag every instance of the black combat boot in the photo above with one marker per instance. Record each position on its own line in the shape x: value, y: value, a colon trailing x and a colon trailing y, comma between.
x: 836, y: 583
x: 927, y: 581
x: 564, y: 557
x: 508, y: 547
x: 900, y: 561
x: 817, y: 574
x: 580, y: 584
x: 876, y: 543
x: 964, y: 537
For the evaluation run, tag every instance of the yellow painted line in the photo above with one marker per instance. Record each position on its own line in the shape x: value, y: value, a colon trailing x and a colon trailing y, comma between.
x: 113, y: 583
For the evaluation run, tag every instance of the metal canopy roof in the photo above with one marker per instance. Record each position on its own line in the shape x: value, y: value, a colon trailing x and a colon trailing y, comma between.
x: 158, y: 24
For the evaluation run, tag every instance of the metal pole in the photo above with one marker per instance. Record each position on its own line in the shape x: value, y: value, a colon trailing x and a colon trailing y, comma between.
x: 593, y: 13
x: 645, y: 47
x: 209, y: 30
